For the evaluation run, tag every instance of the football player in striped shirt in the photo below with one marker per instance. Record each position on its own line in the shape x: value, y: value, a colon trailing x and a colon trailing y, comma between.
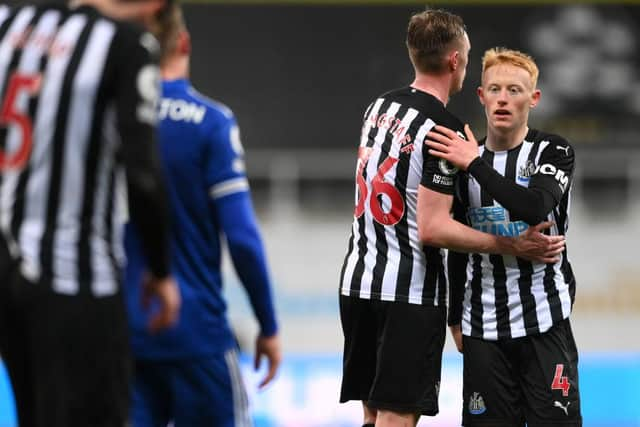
x: 189, y: 375
x: 393, y: 285
x: 520, y: 357
x: 78, y: 90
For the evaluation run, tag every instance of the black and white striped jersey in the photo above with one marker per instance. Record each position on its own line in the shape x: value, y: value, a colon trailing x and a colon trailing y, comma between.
x: 506, y: 296
x: 385, y: 259
x: 78, y: 97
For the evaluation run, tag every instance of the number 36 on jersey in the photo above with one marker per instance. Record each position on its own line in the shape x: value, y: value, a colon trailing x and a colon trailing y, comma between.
x: 385, y: 201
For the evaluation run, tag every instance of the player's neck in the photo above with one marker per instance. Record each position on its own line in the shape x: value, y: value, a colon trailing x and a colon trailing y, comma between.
x: 504, y: 141
x: 437, y: 86
x: 175, y: 68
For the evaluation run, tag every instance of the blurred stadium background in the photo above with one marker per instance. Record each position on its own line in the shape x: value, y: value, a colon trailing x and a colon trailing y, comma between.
x: 298, y: 74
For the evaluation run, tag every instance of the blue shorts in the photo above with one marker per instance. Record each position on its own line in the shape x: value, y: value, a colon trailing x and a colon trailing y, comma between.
x: 202, y: 392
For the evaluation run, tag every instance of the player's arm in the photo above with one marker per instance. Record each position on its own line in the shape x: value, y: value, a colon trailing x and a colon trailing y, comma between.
x: 240, y: 227
x: 137, y: 90
x: 457, y: 272
x: 531, y: 204
x: 229, y: 190
x: 437, y: 228
x: 247, y: 253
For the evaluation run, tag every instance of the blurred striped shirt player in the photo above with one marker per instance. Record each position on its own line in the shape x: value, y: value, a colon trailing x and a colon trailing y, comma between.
x: 67, y: 143
x: 78, y: 94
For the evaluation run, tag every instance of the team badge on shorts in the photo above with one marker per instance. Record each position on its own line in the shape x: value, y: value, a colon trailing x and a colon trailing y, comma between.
x: 476, y: 404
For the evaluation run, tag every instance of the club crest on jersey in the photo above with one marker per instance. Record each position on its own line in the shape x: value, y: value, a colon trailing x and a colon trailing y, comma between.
x: 446, y: 167
x: 476, y: 404
x: 525, y: 172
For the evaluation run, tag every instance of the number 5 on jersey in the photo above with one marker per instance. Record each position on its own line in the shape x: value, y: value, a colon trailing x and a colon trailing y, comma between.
x: 10, y: 114
x: 380, y: 188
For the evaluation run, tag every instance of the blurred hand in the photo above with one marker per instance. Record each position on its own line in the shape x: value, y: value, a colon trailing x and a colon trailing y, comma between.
x: 270, y: 348
x: 166, y: 292
x: 142, y: 12
x: 456, y: 334
x: 535, y: 246
x: 448, y: 145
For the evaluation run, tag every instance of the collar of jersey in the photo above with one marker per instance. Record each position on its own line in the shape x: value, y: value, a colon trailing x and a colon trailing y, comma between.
x: 175, y: 83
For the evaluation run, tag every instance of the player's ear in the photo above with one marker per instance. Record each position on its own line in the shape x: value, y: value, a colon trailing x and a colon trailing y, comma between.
x: 480, y: 92
x: 454, y: 60
x: 184, y: 43
x: 535, y: 98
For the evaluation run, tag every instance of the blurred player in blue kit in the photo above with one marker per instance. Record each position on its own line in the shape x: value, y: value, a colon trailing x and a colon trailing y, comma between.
x: 189, y: 375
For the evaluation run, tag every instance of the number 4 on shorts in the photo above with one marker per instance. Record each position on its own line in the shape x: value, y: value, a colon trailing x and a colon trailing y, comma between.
x: 560, y: 382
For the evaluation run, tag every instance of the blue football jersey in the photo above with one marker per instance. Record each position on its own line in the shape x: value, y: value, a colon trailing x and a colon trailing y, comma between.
x: 204, y: 168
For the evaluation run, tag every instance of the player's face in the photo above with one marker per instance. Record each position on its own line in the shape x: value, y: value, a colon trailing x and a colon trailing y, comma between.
x: 507, y: 94
x: 461, y: 70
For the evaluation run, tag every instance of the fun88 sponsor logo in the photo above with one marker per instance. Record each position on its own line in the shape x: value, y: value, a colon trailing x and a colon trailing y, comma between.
x: 495, y: 220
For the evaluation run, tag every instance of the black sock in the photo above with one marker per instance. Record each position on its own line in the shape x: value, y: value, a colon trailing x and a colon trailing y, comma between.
x: 369, y: 425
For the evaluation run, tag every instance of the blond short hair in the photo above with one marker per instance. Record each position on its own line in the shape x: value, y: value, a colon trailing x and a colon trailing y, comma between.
x: 502, y: 55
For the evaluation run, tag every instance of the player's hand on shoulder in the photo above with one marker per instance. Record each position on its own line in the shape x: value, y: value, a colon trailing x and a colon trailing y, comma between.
x: 166, y: 292
x: 270, y: 348
x: 452, y: 146
x: 535, y: 246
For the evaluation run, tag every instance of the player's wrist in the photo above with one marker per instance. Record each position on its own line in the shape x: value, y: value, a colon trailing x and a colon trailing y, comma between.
x: 268, y: 331
x: 507, y: 245
x: 473, y: 163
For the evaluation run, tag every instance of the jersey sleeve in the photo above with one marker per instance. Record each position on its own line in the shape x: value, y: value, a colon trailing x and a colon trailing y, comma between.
x: 229, y: 192
x: 548, y: 183
x: 137, y: 87
x: 241, y: 230
x: 438, y: 174
x: 225, y: 170
x: 457, y: 271
x: 554, y: 168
